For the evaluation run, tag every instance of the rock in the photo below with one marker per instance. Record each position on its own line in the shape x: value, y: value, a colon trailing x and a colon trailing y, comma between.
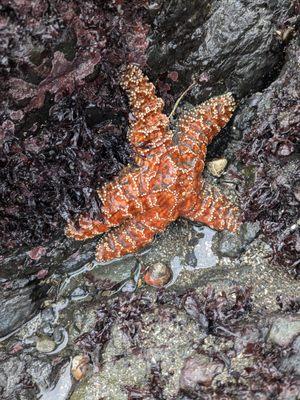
x: 284, y: 330
x: 199, y: 370
x: 249, y: 232
x: 268, y: 123
x: 296, y: 345
x: 59, y: 389
x: 115, y: 272
x: 186, y: 41
x: 39, y: 370
x: 17, y: 306
x: 45, y: 345
x: 83, y: 320
x: 17, y: 372
x: 233, y: 244
x: 165, y: 337
x: 291, y: 365
x: 11, y: 371
x: 229, y: 244
x: 62, y: 254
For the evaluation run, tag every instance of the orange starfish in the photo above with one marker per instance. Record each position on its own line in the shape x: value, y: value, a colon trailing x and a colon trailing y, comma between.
x: 165, y: 183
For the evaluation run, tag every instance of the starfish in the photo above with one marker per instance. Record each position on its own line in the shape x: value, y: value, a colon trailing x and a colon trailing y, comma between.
x: 165, y: 183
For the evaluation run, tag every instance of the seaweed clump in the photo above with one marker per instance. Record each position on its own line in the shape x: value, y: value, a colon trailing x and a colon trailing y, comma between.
x: 62, y: 115
x: 270, y: 150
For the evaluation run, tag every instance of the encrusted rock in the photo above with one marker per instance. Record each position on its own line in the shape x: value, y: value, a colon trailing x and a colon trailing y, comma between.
x: 199, y: 370
x: 284, y: 330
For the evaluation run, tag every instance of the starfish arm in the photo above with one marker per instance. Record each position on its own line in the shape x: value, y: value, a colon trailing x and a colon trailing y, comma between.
x: 120, y: 201
x: 214, y: 210
x: 128, y: 195
x: 87, y: 228
x: 150, y: 128
x: 204, y: 122
x: 132, y: 235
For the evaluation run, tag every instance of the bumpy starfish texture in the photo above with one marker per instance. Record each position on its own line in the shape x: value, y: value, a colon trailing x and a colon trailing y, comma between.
x: 166, y: 182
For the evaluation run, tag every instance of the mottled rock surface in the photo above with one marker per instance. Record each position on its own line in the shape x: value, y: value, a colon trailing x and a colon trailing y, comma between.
x: 285, y: 330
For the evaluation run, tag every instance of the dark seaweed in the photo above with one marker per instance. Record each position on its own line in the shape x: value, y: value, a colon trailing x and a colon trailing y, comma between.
x: 270, y: 146
x: 63, y: 117
x: 224, y: 315
x: 216, y: 312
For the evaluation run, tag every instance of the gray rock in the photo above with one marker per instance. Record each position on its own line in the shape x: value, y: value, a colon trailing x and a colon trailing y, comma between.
x: 16, y: 308
x: 296, y: 345
x: 284, y: 330
x: 291, y: 365
x: 40, y: 371
x: 202, y: 35
x: 249, y: 232
x: 229, y: 244
x: 12, y: 371
x: 233, y: 244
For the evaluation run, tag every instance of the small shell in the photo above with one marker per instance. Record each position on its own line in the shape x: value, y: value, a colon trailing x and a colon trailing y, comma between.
x: 79, y: 366
x: 216, y: 167
x: 158, y: 275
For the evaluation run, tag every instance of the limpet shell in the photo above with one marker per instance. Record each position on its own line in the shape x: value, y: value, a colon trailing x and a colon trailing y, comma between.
x: 158, y: 275
x: 217, y: 167
x: 80, y: 366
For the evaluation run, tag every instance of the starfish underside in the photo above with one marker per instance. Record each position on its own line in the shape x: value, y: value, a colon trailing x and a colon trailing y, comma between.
x: 166, y: 182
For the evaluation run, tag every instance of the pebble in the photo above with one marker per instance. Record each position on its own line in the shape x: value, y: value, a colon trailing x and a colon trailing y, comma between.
x: 229, y: 245
x: 45, y: 345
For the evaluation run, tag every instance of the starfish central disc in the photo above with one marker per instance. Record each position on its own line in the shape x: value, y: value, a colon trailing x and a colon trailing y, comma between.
x: 166, y: 182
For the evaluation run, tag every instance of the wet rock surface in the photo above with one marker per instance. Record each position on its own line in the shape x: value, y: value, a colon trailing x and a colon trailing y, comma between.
x: 17, y: 306
x: 203, y: 37
x: 232, y: 245
x: 133, y: 352
x: 142, y: 342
